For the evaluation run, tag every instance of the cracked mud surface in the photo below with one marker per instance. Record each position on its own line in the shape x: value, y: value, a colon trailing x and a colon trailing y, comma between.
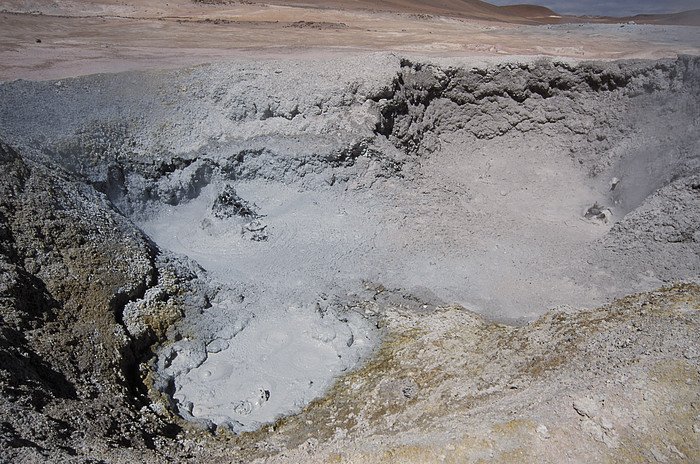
x: 433, y: 197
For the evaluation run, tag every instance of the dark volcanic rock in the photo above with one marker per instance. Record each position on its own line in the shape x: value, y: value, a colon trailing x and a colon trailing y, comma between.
x: 69, y: 263
x: 229, y: 204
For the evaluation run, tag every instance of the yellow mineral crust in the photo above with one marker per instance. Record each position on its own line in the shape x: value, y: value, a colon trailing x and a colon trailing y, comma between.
x: 614, y: 384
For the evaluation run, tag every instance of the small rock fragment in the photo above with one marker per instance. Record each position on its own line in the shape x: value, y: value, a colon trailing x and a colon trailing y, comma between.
x: 613, y: 183
x: 586, y: 407
x: 597, y: 212
x: 606, y: 424
x: 229, y: 204
x: 409, y: 389
x: 658, y: 455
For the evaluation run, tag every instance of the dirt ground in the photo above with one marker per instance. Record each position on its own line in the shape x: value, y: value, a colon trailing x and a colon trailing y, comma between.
x: 55, y: 39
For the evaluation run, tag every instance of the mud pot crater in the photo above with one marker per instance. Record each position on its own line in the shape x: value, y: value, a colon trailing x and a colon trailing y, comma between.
x: 223, y: 242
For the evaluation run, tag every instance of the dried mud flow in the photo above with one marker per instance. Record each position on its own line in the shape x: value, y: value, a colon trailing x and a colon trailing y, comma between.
x: 504, y: 252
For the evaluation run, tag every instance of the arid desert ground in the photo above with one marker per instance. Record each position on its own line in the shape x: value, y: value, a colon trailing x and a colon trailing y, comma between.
x: 84, y: 37
x: 347, y: 231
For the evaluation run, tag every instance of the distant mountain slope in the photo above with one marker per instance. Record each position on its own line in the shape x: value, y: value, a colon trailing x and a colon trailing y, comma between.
x: 685, y: 18
x: 529, y: 11
x: 474, y: 9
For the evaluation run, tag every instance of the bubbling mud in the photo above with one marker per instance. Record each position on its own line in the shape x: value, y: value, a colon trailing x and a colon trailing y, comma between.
x: 248, y: 362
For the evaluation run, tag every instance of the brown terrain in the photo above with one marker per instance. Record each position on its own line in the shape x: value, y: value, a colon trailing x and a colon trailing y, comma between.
x: 47, y: 39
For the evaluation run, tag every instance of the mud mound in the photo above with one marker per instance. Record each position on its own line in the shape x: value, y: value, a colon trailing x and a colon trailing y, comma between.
x: 268, y: 228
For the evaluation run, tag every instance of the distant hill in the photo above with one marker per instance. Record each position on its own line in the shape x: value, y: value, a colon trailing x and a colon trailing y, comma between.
x: 530, y: 11
x: 476, y: 9
x: 686, y: 18
x: 473, y: 9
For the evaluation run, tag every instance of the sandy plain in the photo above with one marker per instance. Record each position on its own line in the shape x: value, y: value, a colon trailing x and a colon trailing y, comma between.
x: 55, y: 39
